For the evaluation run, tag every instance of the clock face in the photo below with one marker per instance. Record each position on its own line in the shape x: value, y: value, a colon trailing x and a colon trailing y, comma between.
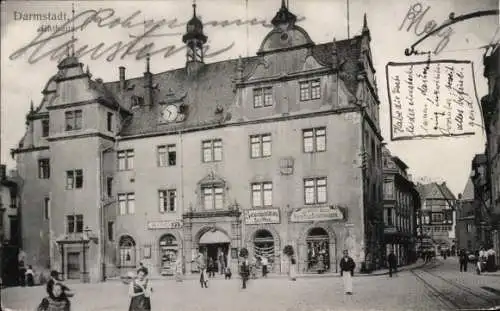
x: 169, y: 113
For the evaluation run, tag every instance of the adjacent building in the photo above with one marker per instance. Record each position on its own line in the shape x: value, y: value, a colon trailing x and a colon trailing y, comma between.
x: 466, y: 227
x: 10, y: 234
x: 401, y: 207
x: 279, y: 148
x: 491, y: 114
x: 437, y: 217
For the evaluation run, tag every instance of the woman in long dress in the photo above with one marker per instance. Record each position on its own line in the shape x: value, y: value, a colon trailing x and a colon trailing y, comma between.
x: 140, y: 292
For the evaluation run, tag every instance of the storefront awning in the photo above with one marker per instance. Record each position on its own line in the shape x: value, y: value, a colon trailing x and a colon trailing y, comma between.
x: 212, y: 237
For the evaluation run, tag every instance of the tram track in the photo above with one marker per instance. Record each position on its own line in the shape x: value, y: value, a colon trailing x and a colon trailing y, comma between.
x: 462, y: 298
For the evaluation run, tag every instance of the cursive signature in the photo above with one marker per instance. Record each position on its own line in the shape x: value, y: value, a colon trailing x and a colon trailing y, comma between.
x: 135, y: 46
x: 414, y: 18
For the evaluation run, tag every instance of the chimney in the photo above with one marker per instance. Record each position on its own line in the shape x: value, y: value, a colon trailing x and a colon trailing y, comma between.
x: 122, y: 78
x: 3, y: 172
x: 148, y: 85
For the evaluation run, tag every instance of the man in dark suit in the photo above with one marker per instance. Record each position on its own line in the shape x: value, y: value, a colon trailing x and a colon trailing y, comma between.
x: 347, y: 266
x: 392, y: 262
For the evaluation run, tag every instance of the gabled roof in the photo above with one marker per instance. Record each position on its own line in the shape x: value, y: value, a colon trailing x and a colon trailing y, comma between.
x: 468, y: 194
x: 435, y: 191
x: 213, y: 87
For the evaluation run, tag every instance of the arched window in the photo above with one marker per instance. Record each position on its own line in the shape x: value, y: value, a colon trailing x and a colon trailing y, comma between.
x: 264, y: 246
x: 318, y: 250
x: 127, y: 251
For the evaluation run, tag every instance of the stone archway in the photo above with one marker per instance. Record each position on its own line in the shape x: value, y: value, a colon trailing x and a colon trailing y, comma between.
x: 127, y: 252
x: 317, y: 243
x: 265, y: 240
x: 215, y: 244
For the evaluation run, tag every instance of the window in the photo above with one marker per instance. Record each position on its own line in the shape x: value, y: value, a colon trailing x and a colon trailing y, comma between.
x: 260, y: 146
x: 44, y: 168
x: 212, y: 150
x: 437, y: 217
x: 109, y: 121
x: 74, y: 223
x: 262, y: 194
x: 388, y: 189
x: 168, y: 200
x: 315, y: 190
x: 263, y: 97
x: 167, y: 155
x: 125, y: 160
x: 314, y: 139
x: 126, y: 203
x: 310, y: 90
x: 109, y: 186
x: 45, y: 127
x: 111, y: 230
x: 46, y: 208
x: 74, y: 179
x: 469, y: 227
x: 213, y: 197
x: 389, y: 217
x: 73, y: 120
x: 427, y: 219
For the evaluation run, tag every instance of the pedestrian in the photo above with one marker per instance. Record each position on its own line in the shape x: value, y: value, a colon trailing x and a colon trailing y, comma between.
x: 347, y: 267
x: 140, y: 291
x: 463, y: 259
x: 30, y: 276
x: 178, y: 270
x: 211, y: 267
x: 228, y: 273
x: 56, y: 301
x: 222, y: 262
x: 393, y: 263
x: 53, y: 280
x: 481, y: 260
x: 244, y: 272
x: 22, y: 273
x: 264, y: 263
x: 141, y: 267
x: 202, y: 267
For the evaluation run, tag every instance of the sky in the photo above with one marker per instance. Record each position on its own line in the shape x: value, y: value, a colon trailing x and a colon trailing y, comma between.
x: 431, y: 159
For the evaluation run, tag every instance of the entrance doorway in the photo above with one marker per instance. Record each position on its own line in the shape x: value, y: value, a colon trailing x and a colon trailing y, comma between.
x: 73, y: 265
x: 318, y: 251
x: 214, y: 245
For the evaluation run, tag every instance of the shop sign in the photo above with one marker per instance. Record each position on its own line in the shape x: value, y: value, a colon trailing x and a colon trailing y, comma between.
x: 262, y: 216
x: 165, y: 224
x: 317, y: 214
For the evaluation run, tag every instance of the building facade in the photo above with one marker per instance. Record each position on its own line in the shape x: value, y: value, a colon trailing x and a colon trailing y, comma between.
x: 10, y: 233
x: 491, y: 114
x: 279, y: 148
x: 401, y: 207
x: 468, y: 237
x: 438, y: 218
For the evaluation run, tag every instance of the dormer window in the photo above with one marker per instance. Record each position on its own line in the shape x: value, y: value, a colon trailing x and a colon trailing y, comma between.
x: 310, y: 90
x: 262, y: 97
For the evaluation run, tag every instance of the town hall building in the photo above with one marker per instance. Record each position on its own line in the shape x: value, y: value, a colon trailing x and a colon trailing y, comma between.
x: 280, y: 148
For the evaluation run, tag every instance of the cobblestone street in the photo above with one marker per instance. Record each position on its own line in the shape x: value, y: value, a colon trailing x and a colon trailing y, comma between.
x: 404, y: 292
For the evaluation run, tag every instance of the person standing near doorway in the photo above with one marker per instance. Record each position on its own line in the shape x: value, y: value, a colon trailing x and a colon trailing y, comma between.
x: 265, y: 263
x: 393, y: 263
x: 222, y: 262
x: 347, y: 267
x: 244, y: 272
x: 202, y: 267
x: 211, y: 267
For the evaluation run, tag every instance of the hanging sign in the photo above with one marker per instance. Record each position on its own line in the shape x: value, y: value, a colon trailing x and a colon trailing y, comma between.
x: 316, y: 214
x: 262, y: 216
x: 165, y: 224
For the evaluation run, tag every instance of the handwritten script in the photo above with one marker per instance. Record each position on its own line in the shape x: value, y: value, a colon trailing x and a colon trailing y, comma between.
x: 413, y: 20
x: 432, y: 99
x: 139, y: 45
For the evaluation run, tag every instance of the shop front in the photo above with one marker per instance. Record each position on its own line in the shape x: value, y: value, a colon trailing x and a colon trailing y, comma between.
x: 169, y: 246
x: 317, y: 243
x: 262, y: 238
x: 169, y: 250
